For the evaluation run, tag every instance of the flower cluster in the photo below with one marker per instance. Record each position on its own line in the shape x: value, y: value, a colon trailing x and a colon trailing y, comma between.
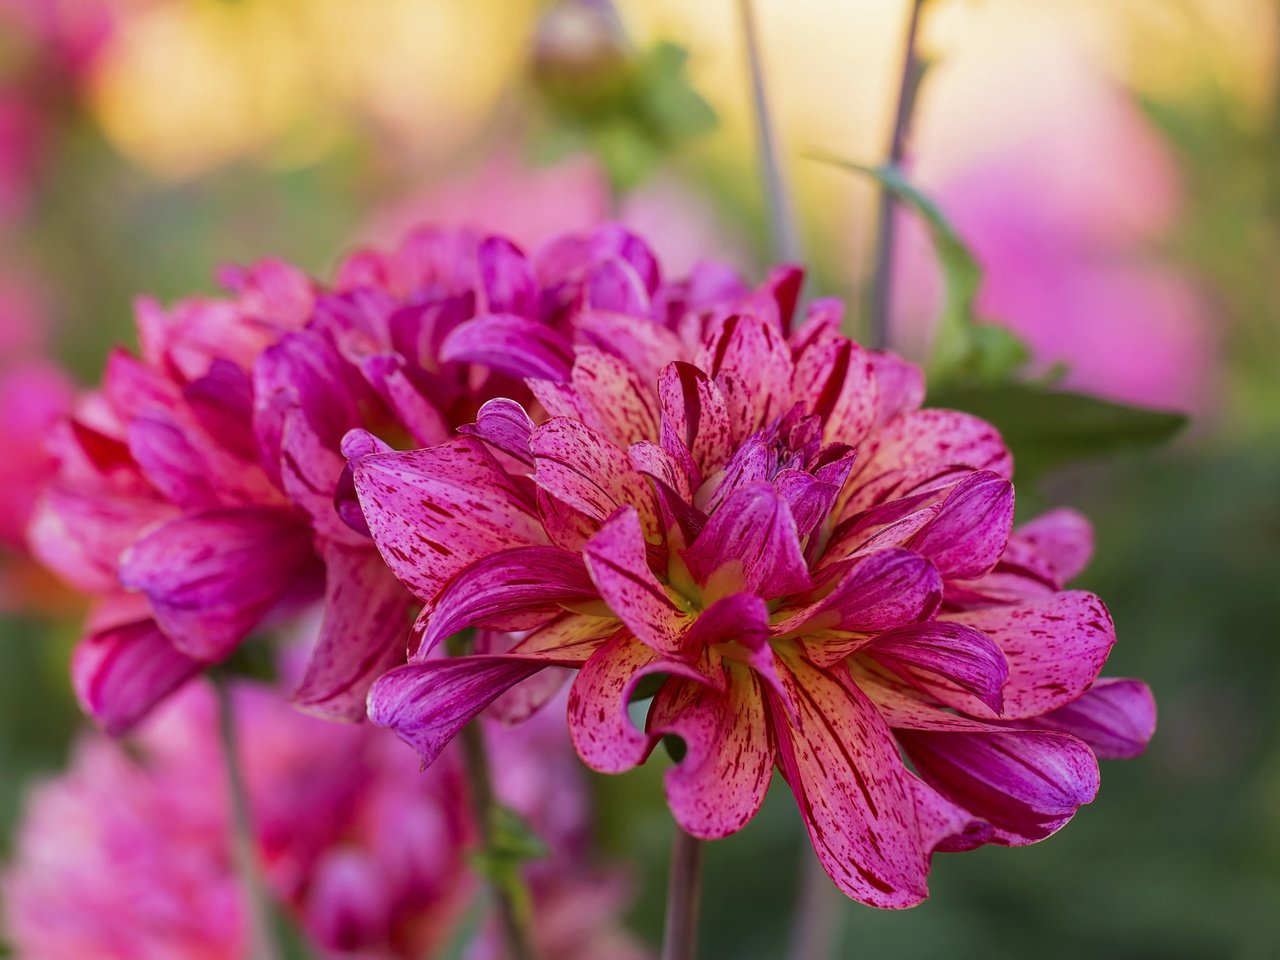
x: 202, y: 491
x: 822, y: 576
x: 131, y: 855
x: 686, y: 490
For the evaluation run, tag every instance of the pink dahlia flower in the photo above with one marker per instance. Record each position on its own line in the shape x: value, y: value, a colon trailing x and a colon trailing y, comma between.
x: 202, y: 493
x: 128, y: 855
x: 818, y: 575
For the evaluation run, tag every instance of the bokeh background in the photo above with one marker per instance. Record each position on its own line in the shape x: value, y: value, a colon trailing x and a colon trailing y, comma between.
x: 1114, y: 166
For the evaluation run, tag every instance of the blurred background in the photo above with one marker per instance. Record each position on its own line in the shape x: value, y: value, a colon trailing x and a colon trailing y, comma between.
x: 1114, y: 167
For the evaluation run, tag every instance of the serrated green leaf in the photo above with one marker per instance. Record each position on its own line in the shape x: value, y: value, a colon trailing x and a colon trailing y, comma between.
x: 1046, y: 429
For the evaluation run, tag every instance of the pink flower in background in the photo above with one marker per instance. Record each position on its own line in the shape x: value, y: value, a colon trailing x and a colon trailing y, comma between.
x: 820, y: 575
x: 34, y: 396
x: 128, y: 854
x: 1065, y: 208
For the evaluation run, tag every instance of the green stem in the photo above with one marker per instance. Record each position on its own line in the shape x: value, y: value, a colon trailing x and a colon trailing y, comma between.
x: 680, y: 940
x: 510, y: 896
x: 783, y: 237
x: 262, y: 945
x: 882, y: 280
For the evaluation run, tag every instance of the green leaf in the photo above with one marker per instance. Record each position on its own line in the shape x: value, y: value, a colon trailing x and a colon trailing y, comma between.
x: 964, y: 348
x: 1046, y: 429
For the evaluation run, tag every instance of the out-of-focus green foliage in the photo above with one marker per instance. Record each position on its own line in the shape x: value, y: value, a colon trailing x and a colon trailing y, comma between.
x: 631, y: 111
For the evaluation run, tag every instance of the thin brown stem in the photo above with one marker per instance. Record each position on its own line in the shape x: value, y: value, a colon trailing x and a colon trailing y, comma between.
x: 262, y: 945
x: 882, y: 279
x: 680, y: 940
x: 783, y: 236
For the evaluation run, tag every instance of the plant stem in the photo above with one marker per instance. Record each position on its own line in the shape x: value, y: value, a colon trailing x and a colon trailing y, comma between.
x: 882, y: 279
x: 262, y: 945
x: 815, y: 933
x: 510, y: 899
x: 680, y: 940
x: 783, y: 236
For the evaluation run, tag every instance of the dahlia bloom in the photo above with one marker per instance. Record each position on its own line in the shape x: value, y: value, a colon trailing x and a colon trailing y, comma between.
x: 202, y: 492
x: 128, y: 855
x: 818, y: 576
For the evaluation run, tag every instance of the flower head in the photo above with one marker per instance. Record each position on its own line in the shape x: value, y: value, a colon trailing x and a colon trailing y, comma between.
x: 129, y: 854
x: 822, y: 577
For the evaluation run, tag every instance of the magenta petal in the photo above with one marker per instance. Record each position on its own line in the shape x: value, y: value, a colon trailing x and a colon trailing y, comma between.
x: 696, y: 411
x: 579, y: 467
x: 946, y: 826
x: 836, y: 378
x: 121, y: 672
x: 311, y: 473
x: 740, y: 618
x: 617, y: 560
x: 1062, y: 537
x: 613, y: 284
x: 515, y: 589
x: 506, y: 278
x: 504, y: 425
x: 1054, y: 645
x: 809, y: 498
x: 1115, y: 717
x: 211, y: 577
x: 722, y: 780
x: 511, y: 344
x: 900, y: 386
x: 362, y: 635
x: 851, y: 786
x: 878, y: 591
x: 950, y: 661
x: 934, y: 440
x: 613, y: 399
x: 81, y: 537
x: 753, y: 539
x: 599, y: 724
x: 434, y: 511
x: 645, y: 345
x: 427, y: 703
x: 968, y: 534
x: 1025, y: 782
x: 751, y: 361
x: 171, y: 462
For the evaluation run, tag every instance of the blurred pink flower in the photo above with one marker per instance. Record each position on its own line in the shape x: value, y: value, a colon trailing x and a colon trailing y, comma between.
x: 533, y: 205
x: 128, y: 856
x: 823, y: 574
x: 34, y: 396
x: 1066, y: 219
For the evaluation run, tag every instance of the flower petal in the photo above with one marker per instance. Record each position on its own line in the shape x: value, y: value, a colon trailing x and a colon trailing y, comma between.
x: 599, y: 724
x: 362, y: 634
x: 750, y: 545
x: 850, y: 784
x: 697, y: 413
x: 617, y: 560
x: 1055, y: 647
x: 506, y: 278
x: 427, y: 703
x: 504, y: 425
x: 510, y: 344
x: 1115, y: 717
x: 515, y: 589
x: 722, y: 780
x: 750, y: 360
x: 1064, y: 538
x: 211, y: 577
x: 951, y: 662
x: 434, y: 511
x: 584, y: 470
x: 1028, y: 783
x: 121, y: 672
x: 969, y: 532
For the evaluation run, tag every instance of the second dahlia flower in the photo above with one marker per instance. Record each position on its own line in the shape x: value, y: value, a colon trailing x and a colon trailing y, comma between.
x: 815, y: 574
